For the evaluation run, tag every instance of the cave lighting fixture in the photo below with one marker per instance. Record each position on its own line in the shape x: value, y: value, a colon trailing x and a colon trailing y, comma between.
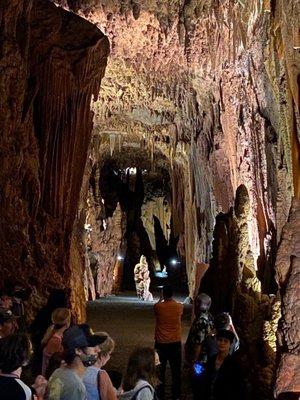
x: 120, y: 257
x: 174, y: 261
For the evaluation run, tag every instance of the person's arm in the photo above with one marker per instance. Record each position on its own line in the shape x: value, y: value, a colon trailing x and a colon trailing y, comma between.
x: 107, y: 391
x: 40, y: 386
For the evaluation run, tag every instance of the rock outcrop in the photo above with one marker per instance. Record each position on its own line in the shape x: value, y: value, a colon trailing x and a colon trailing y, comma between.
x: 288, y: 277
x: 206, y: 90
x: 51, y: 64
x: 197, y: 86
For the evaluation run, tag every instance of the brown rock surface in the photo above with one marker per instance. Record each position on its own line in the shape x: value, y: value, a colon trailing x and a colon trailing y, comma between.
x: 197, y: 86
x: 51, y: 63
x: 288, y: 277
x: 207, y: 90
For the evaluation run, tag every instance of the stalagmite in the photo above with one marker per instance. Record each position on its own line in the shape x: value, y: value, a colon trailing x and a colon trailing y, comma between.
x: 112, y: 143
x: 142, y: 280
x: 200, y: 98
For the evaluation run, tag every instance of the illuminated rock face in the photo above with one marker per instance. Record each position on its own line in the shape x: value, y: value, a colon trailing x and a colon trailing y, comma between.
x: 51, y: 64
x: 287, y: 274
x: 214, y: 87
x: 197, y: 86
x: 211, y: 88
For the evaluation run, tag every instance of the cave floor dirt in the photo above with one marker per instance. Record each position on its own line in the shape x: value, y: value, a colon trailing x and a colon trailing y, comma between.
x: 131, y: 323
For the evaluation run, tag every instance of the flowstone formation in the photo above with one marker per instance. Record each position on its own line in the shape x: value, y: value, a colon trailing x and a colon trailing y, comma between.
x: 51, y: 64
x: 142, y: 280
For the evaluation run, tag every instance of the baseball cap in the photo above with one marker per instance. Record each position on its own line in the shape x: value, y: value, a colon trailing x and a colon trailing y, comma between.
x: 7, y: 315
x: 81, y: 336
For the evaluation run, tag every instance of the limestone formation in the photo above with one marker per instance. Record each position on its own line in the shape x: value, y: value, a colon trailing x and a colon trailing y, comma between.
x: 51, y: 64
x: 205, y: 94
x: 288, y: 278
x: 142, y: 280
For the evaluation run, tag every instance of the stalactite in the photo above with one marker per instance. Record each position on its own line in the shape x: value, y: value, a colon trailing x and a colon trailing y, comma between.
x: 60, y: 69
x: 152, y: 150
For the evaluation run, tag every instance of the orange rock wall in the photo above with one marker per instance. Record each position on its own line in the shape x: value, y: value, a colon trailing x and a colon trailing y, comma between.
x: 51, y: 64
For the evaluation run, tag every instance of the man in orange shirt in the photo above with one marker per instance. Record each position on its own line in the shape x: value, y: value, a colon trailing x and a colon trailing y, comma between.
x: 168, y: 313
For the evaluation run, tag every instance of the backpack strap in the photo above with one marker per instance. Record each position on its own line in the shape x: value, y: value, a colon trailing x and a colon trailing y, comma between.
x: 140, y: 389
x: 99, y: 383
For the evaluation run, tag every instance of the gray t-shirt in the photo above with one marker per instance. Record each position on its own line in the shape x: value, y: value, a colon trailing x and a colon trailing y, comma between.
x: 65, y: 384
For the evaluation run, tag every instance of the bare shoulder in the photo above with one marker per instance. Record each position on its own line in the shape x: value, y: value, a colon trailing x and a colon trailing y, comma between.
x: 104, y: 375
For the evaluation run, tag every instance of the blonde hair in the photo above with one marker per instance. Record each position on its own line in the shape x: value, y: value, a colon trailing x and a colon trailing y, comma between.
x: 107, y: 346
x: 60, y: 317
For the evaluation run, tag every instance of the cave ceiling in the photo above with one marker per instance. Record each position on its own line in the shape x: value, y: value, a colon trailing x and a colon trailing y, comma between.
x: 204, y: 96
x: 191, y: 80
x: 156, y: 76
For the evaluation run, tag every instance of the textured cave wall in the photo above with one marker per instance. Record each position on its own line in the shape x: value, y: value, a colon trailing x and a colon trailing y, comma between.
x: 128, y: 231
x: 288, y: 277
x: 51, y: 63
x: 214, y: 86
x: 197, y: 84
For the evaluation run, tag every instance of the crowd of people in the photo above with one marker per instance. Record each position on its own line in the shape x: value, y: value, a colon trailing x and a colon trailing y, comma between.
x: 59, y: 360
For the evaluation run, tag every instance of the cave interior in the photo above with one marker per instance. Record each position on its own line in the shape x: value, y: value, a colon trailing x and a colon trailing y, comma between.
x: 167, y: 129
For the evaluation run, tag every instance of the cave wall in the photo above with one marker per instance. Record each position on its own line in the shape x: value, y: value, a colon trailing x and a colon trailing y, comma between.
x: 214, y: 86
x: 288, y: 276
x: 51, y: 63
x: 221, y: 113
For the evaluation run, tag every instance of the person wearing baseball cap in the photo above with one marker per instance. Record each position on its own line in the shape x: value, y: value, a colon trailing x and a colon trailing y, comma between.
x: 8, y: 323
x: 81, y: 349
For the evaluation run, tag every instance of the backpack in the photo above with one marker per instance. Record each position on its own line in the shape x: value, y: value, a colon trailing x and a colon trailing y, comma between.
x: 140, y: 389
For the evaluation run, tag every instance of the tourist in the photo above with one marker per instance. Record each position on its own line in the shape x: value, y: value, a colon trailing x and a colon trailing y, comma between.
x: 194, y: 349
x: 201, y: 327
x: 222, y: 321
x: 14, y: 354
x: 140, y: 378
x: 8, y: 323
x: 97, y: 381
x: 52, y: 341
x: 222, y: 377
x: 168, y: 313
x: 57, y: 298
x: 80, y: 351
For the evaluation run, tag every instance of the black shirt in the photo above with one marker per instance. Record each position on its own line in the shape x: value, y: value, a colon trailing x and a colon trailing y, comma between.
x: 12, y: 388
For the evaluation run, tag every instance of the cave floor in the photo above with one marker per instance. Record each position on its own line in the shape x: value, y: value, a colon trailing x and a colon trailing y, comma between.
x: 131, y: 323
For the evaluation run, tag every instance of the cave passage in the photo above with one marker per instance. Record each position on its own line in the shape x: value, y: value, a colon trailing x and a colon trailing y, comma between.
x: 163, y: 135
x: 143, y: 220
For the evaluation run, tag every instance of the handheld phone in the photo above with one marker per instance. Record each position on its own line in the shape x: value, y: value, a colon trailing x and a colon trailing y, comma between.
x: 198, y: 368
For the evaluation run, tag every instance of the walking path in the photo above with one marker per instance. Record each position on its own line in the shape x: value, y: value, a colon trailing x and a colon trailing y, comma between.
x: 131, y: 323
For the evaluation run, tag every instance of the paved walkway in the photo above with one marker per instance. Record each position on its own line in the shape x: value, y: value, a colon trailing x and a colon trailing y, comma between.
x: 131, y: 323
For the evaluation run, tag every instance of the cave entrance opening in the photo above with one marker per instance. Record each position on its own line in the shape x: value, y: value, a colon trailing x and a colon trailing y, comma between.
x: 129, y: 215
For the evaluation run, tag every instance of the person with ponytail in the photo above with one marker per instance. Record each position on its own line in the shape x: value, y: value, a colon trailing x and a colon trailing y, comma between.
x: 52, y: 340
